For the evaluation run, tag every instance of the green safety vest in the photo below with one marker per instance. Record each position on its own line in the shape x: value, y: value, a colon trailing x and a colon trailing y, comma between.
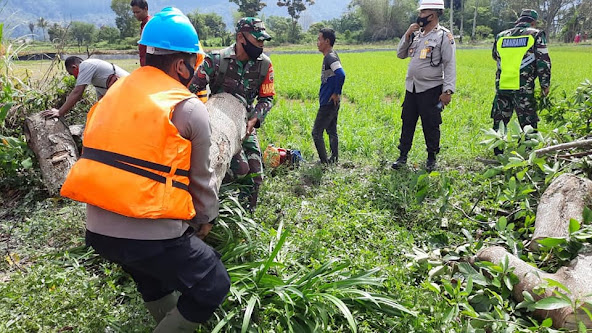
x: 512, y: 50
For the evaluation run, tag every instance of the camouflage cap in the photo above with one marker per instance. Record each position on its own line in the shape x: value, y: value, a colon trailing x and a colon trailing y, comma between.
x: 529, y: 13
x: 254, y: 26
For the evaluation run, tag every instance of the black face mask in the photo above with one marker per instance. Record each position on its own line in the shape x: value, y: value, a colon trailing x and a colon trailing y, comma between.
x: 423, y: 21
x: 186, y: 81
x: 251, y: 49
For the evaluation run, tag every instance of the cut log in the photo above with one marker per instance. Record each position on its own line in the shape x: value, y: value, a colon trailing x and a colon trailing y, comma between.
x: 54, y: 148
x: 577, y: 278
x: 228, y: 119
x: 564, y: 199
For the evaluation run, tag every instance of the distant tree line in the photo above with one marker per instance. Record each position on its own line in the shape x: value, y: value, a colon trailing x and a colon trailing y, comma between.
x: 364, y: 21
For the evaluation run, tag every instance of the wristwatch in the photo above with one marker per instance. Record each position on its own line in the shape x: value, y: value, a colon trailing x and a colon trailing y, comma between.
x: 448, y: 92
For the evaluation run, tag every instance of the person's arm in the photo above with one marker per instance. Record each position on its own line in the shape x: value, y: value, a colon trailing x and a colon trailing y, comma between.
x: 205, y: 74
x: 192, y: 120
x: 449, y: 67
x: 264, y: 101
x: 339, y: 80
x: 73, y: 98
x: 403, y: 48
x: 543, y: 62
x: 494, y: 53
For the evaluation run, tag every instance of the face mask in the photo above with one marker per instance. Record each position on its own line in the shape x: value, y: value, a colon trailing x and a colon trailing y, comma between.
x: 186, y: 81
x: 423, y: 21
x: 251, y: 49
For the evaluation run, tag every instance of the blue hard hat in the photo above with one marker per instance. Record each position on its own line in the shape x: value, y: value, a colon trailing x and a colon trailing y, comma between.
x: 171, y: 30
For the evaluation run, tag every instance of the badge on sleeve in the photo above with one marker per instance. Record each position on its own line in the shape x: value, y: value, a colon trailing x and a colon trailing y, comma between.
x: 450, y: 38
x: 424, y: 53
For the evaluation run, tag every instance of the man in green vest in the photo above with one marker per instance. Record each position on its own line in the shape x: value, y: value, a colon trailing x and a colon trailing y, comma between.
x: 522, y: 56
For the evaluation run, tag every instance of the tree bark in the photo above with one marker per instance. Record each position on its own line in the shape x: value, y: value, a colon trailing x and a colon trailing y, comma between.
x: 564, y: 199
x: 563, y: 146
x: 54, y: 148
x: 576, y: 277
x: 228, y: 119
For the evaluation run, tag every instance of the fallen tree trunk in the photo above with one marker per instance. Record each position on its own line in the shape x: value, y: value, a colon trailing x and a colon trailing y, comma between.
x: 54, y: 148
x: 228, y: 119
x: 577, y: 278
x: 56, y: 151
x: 564, y: 199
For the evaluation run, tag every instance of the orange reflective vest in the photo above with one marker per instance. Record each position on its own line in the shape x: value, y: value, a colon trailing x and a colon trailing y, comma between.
x: 134, y: 161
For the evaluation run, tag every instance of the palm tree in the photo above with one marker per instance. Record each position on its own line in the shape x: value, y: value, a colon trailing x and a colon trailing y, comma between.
x: 42, y: 23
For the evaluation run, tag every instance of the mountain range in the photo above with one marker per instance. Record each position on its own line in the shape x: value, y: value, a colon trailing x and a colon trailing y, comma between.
x: 17, y: 14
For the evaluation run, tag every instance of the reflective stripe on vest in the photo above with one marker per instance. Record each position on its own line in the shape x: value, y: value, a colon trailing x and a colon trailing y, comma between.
x: 512, y: 50
x: 134, y: 161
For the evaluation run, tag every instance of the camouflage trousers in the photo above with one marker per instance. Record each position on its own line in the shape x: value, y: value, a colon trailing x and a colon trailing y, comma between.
x: 504, y: 104
x: 246, y: 168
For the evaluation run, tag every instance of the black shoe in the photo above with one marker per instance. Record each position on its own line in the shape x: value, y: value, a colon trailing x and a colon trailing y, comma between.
x: 431, y: 163
x: 399, y: 163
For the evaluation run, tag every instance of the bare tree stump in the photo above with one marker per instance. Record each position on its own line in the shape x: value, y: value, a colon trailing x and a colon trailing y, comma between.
x: 577, y: 278
x: 54, y: 148
x: 564, y: 199
x: 228, y: 119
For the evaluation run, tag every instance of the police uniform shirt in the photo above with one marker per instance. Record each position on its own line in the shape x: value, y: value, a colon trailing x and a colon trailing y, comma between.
x: 433, y: 60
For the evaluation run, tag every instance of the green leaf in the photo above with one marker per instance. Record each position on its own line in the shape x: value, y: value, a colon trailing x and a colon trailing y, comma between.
x: 469, y: 287
x: 574, y: 226
x: 272, y: 256
x: 547, y: 322
x: 582, y: 327
x: 248, y: 313
x: 4, y: 109
x: 587, y: 215
x: 501, y: 223
x: 27, y: 163
x: 551, y: 303
x: 551, y: 241
x: 557, y: 284
x: 344, y: 310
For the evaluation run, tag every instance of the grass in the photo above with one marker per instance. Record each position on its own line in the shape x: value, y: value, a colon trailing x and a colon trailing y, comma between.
x: 359, y: 212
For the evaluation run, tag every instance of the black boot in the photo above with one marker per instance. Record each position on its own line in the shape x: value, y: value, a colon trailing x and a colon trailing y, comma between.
x: 400, y: 162
x: 431, y: 162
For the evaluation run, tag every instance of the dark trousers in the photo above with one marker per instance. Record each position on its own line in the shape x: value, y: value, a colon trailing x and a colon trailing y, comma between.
x: 424, y: 105
x: 159, y: 267
x: 326, y: 121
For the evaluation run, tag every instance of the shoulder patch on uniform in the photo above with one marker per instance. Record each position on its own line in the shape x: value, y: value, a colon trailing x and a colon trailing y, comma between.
x: 450, y: 37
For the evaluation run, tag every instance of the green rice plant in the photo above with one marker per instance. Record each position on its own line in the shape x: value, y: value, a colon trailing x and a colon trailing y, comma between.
x: 301, y: 300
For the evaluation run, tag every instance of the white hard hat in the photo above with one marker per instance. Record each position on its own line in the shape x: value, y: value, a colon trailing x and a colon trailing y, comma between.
x: 431, y: 4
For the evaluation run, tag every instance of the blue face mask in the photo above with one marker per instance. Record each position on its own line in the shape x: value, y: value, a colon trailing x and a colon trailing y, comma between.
x: 186, y: 81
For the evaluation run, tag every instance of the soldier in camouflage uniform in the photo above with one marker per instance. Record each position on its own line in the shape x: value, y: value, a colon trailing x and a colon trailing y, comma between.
x: 244, y: 71
x: 522, y: 56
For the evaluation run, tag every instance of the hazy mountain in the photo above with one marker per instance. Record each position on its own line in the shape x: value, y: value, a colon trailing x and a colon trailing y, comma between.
x: 17, y: 14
